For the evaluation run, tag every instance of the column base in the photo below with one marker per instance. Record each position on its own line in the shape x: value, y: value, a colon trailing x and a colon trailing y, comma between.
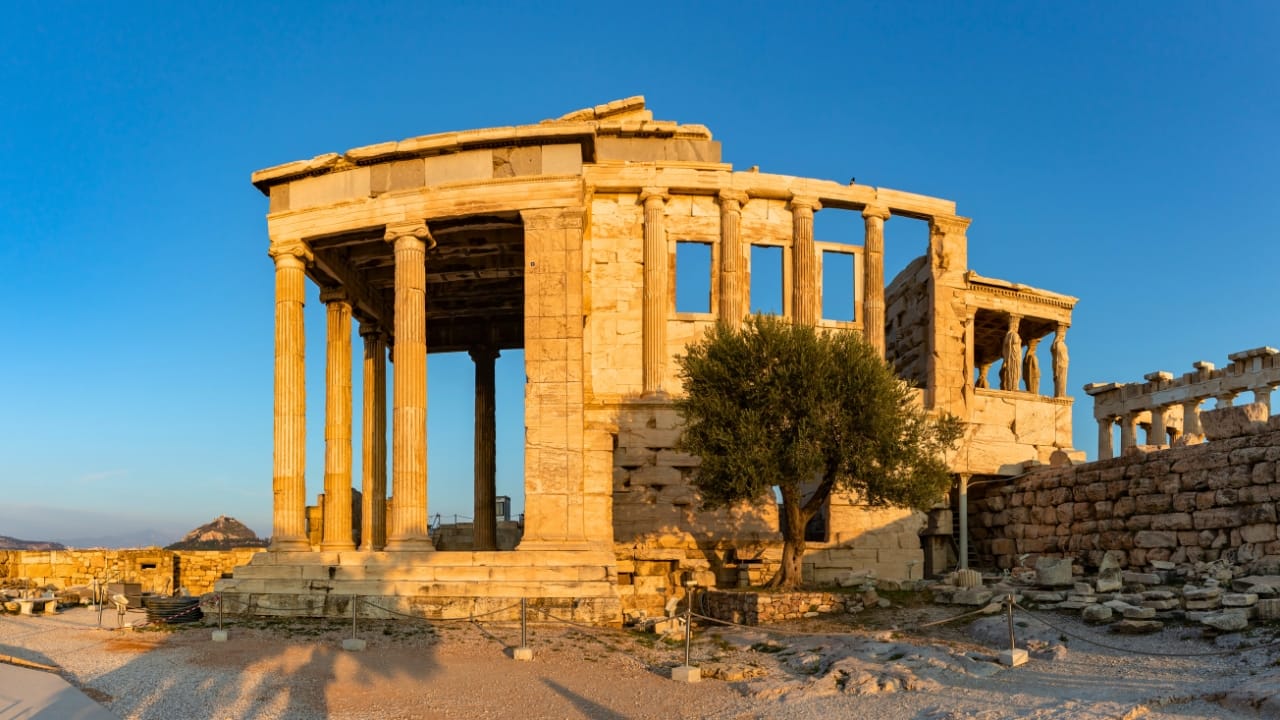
x: 290, y: 544
x: 409, y: 545
x: 338, y: 547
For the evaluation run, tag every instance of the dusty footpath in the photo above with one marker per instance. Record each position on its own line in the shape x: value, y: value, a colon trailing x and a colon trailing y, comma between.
x: 880, y: 664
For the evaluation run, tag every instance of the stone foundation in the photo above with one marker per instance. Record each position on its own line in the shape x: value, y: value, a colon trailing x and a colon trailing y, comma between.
x: 158, y: 571
x: 758, y: 608
x: 1196, y: 503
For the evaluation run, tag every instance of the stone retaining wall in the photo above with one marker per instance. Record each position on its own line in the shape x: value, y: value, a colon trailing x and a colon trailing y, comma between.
x: 757, y: 608
x: 1203, y: 502
x: 159, y: 571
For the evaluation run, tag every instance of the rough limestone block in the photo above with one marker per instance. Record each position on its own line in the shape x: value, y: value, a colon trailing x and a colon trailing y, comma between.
x: 1234, y: 421
x: 1053, y: 572
x: 1096, y: 614
x: 1137, y: 627
x: 1239, y: 600
x: 1226, y: 621
x: 1268, y: 609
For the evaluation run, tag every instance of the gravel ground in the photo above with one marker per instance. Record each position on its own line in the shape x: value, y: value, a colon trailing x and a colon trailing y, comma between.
x: 872, y: 665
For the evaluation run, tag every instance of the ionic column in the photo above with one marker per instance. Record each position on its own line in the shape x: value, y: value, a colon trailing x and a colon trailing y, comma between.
x: 373, y: 472
x: 336, y: 532
x: 1128, y: 431
x: 1011, y: 365
x: 1106, y: 447
x: 804, y: 259
x: 289, y: 459
x: 654, y: 338
x: 1157, y: 434
x: 731, y: 280
x: 409, y: 529
x: 873, y: 217
x: 1191, y: 417
x: 485, y: 525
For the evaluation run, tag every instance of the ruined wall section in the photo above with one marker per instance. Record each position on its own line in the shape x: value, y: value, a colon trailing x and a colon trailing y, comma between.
x: 159, y: 571
x: 1204, y: 502
x: 906, y: 330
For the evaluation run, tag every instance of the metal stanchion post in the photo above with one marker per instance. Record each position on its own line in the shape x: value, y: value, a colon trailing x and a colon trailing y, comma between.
x: 354, y: 643
x: 686, y: 672
x: 219, y: 635
x: 524, y: 652
x: 1013, y: 657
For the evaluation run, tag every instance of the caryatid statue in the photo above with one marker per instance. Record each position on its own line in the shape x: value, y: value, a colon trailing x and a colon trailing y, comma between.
x: 1060, y: 361
x: 1031, y: 368
x: 1011, y: 367
x: 983, y: 369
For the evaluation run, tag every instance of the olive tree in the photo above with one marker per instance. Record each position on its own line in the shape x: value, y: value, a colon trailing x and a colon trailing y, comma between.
x: 781, y: 405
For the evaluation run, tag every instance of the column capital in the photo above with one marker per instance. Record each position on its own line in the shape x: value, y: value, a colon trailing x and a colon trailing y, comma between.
x: 291, y: 248
x: 483, y: 352
x: 805, y: 202
x: 658, y: 196
x: 418, y: 230
x: 334, y: 294
x: 875, y: 211
x: 372, y: 330
x: 731, y: 199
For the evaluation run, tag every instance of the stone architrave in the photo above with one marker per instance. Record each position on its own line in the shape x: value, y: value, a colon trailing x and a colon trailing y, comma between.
x: 732, y: 281
x: 290, y: 454
x: 485, y: 527
x: 1031, y: 367
x: 1011, y: 367
x: 873, y: 217
x: 1060, y: 361
x: 336, y: 532
x: 804, y: 258
x: 409, y: 529
x: 373, y: 473
x: 654, y: 338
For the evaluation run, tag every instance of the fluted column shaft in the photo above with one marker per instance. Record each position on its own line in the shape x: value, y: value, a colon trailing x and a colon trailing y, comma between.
x: 289, y: 459
x: 873, y: 217
x: 1191, y: 417
x: 654, y: 338
x: 731, y: 280
x: 485, y: 527
x: 1106, y: 448
x: 1156, y: 435
x: 336, y: 534
x: 409, y: 530
x: 1128, y: 431
x: 804, y: 259
x: 373, y: 473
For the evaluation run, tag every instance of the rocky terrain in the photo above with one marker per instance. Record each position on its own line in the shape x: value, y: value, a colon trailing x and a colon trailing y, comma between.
x: 223, y: 533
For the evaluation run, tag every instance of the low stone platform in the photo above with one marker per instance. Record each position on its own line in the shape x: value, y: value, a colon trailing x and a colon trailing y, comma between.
x: 574, y: 585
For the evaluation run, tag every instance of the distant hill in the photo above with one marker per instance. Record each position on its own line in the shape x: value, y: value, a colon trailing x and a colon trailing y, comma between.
x: 8, y: 543
x: 122, y: 540
x: 223, y: 533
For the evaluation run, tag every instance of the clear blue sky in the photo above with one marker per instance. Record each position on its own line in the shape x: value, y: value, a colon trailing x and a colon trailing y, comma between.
x: 1125, y: 153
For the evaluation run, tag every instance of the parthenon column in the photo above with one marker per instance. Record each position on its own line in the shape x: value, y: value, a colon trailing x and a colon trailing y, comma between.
x: 1157, y: 434
x: 1128, y: 431
x: 731, y: 280
x: 1225, y: 399
x: 485, y: 528
x: 289, y: 459
x: 336, y: 533
x: 409, y: 403
x: 1191, y: 417
x: 654, y: 338
x: 804, y: 258
x: 873, y: 218
x: 1262, y: 394
x: 1106, y: 447
x: 373, y: 519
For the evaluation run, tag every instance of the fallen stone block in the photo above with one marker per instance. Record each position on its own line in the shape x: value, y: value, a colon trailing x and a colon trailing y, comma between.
x: 1268, y: 609
x: 1043, y: 596
x: 1053, y: 572
x: 1096, y: 614
x: 1161, y: 605
x: 1226, y: 621
x: 972, y: 596
x: 1139, y: 613
x: 1206, y: 593
x: 1138, y: 578
x: 1239, y: 600
x: 1137, y: 627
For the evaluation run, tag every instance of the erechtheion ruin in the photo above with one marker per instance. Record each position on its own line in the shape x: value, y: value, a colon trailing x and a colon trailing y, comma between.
x: 568, y: 239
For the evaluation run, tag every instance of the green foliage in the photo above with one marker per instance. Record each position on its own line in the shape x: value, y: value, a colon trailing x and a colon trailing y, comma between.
x: 785, y: 405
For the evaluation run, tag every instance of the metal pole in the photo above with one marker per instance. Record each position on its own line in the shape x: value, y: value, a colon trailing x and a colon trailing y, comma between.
x: 524, y: 639
x: 1012, y: 644
x: 219, y: 612
x: 688, y: 624
x: 355, y: 600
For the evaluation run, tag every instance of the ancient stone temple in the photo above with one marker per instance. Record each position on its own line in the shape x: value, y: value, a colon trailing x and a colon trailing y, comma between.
x: 570, y: 239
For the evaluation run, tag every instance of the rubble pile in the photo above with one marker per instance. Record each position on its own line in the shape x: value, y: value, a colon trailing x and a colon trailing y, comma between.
x: 1221, y: 597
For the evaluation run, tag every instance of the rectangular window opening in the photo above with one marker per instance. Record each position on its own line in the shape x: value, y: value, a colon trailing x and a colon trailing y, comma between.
x: 693, y: 277
x: 766, y: 280
x: 838, y: 286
